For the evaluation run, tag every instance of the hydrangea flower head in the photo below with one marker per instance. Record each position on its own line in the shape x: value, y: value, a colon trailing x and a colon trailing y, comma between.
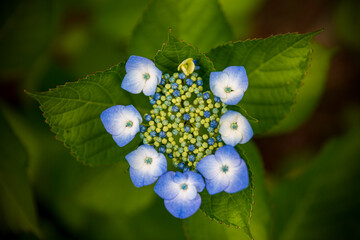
x: 224, y: 171
x: 188, y: 127
x: 141, y: 75
x: 229, y: 84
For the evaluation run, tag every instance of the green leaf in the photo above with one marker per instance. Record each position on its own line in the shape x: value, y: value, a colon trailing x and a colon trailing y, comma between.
x: 174, y: 52
x: 309, y: 94
x: 233, y: 209
x: 17, y: 208
x: 275, y: 67
x: 201, y: 23
x: 73, y: 112
x: 199, y: 226
x: 323, y: 202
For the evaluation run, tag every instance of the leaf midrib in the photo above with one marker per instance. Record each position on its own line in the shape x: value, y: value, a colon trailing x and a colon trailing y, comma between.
x: 75, y: 100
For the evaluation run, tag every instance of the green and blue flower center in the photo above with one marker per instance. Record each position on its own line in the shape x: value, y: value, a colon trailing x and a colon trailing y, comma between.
x: 129, y: 124
x: 148, y: 160
x: 224, y: 168
x: 146, y: 76
x: 228, y: 89
x: 184, y: 186
x: 184, y: 121
x: 234, y: 126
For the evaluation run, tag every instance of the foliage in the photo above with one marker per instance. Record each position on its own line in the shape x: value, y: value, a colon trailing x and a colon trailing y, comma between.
x: 310, y: 93
x: 275, y: 67
x: 44, y: 193
x: 73, y: 109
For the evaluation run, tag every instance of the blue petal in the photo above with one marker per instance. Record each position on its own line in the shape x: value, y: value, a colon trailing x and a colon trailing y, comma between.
x: 208, y: 167
x: 228, y: 155
x: 161, y: 165
x: 217, y: 184
x: 130, y: 110
x: 133, y: 82
x: 158, y: 166
x: 136, y: 62
x: 158, y: 73
x: 111, y: 117
x: 126, y: 137
x: 234, y: 97
x: 247, y: 132
x: 196, y: 180
x: 216, y: 80
x: 230, y: 115
x: 238, y: 75
x: 183, y: 208
x: 136, y: 158
x: 180, y: 177
x: 231, y: 140
x: 150, y: 86
x: 141, y: 178
x: 166, y: 188
x: 239, y: 179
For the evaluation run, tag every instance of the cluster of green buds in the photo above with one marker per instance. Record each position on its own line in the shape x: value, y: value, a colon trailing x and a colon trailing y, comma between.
x: 184, y: 121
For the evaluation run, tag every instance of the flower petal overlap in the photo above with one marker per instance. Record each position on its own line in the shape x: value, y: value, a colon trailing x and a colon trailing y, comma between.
x: 235, y: 128
x: 180, y: 192
x: 146, y: 165
x: 122, y: 122
x: 224, y: 171
x: 141, y: 75
x: 229, y: 84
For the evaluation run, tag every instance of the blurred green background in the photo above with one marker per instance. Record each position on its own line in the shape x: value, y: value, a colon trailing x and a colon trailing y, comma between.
x: 311, y: 158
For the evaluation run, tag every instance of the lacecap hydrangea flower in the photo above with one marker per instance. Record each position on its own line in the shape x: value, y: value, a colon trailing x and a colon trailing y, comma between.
x: 188, y: 127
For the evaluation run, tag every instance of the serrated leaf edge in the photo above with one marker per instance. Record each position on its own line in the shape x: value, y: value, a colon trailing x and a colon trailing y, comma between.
x: 46, y: 117
x: 309, y: 59
x: 171, y: 34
